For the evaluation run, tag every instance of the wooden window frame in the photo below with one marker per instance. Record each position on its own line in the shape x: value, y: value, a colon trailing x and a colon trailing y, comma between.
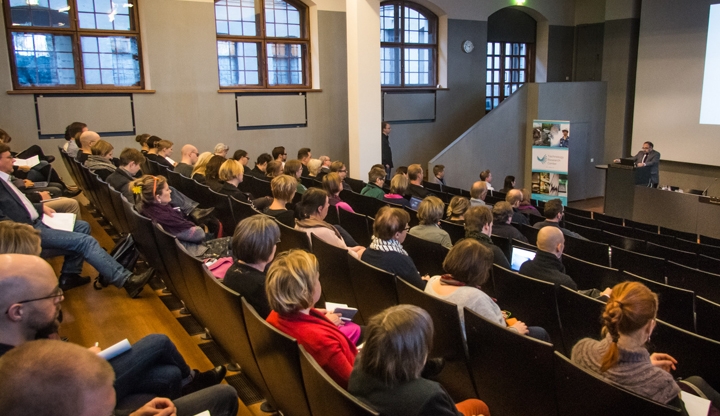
x: 402, y: 45
x: 263, y: 40
x: 75, y: 32
x: 529, y: 70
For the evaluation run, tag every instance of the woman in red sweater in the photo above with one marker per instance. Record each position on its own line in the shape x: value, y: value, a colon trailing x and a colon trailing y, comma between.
x: 292, y: 288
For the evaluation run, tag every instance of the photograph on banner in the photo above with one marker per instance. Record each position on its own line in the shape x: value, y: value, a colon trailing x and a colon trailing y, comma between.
x: 549, y: 133
x: 548, y: 185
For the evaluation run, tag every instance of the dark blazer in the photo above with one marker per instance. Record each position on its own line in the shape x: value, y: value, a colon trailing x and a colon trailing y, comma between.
x: 161, y: 160
x: 653, y: 162
x: 418, y: 191
x: 305, y: 171
x: 508, y: 231
x: 12, y: 208
x: 519, y: 218
x: 386, y: 151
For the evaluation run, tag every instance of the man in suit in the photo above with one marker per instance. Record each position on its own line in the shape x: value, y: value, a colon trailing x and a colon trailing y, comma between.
x: 385, y: 148
x: 649, y: 157
x: 14, y: 206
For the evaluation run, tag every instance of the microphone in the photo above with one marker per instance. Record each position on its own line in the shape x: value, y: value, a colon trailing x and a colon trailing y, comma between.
x: 708, y: 187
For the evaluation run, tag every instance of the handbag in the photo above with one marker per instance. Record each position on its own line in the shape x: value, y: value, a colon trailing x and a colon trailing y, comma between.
x: 124, y: 253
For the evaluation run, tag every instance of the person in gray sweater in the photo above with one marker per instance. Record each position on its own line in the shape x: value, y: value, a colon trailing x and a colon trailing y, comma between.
x: 430, y: 212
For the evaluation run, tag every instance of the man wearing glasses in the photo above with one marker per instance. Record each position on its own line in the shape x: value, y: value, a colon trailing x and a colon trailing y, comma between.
x: 30, y: 305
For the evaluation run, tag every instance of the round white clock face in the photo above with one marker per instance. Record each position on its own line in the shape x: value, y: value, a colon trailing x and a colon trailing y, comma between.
x: 468, y: 46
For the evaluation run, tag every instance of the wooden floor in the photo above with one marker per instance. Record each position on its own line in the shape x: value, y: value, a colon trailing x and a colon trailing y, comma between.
x: 596, y: 204
x: 109, y: 315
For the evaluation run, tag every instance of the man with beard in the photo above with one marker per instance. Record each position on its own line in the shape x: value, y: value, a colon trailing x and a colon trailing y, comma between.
x: 30, y: 297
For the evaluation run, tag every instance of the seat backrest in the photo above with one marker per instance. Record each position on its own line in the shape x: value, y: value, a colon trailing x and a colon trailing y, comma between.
x: 228, y: 329
x: 241, y: 210
x: 291, y: 238
x: 278, y: 358
x: 677, y: 305
x: 709, y: 240
x: 117, y: 200
x: 356, y: 184
x: 649, y: 267
x: 651, y: 237
x: 507, y: 366
x: 591, y: 233
x: 581, y: 220
x: 607, y: 218
x: 579, y: 316
x: 324, y: 395
x: 709, y: 250
x: 261, y: 188
x: 504, y: 243
x: 194, y: 271
x: 707, y: 318
x: 683, y: 257
x: 589, y: 275
x: 679, y: 234
x: 435, y: 187
x: 427, y: 255
x: 580, y: 392
x: 693, y: 352
x: 530, y: 233
x: 448, y: 339
x: 176, y: 275
x: 335, y: 274
x: 223, y: 212
x: 641, y: 226
x: 591, y: 251
x: 173, y: 178
x: 333, y: 217
x: 627, y: 243
x: 144, y: 236
x: 703, y: 283
x: 356, y: 225
x: 374, y: 289
x: 708, y: 264
x: 534, y: 219
x: 413, y: 216
x: 530, y: 300
x: 355, y: 200
x: 578, y: 212
x: 617, y: 229
x: 456, y: 231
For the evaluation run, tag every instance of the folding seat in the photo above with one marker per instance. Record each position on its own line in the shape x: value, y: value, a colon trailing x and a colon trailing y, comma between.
x: 590, y: 275
x: 427, y: 256
x: 703, y: 283
x: 649, y: 267
x: 677, y: 305
x: 374, y: 289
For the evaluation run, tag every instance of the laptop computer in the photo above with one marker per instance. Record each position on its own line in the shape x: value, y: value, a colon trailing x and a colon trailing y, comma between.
x: 520, y: 256
x: 414, y: 202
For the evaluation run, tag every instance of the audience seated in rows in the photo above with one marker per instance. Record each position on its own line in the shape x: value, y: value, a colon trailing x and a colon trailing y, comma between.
x: 387, y: 373
x: 81, y: 246
x: 386, y: 251
x: 376, y: 179
x: 241, y: 156
x: 508, y: 185
x: 261, y: 164
x: 314, y: 166
x: 221, y: 149
x: 72, y: 136
x: 142, y: 140
x: 486, y: 176
x: 152, y: 199
x: 456, y: 209
x: 87, y: 139
x: 312, y: 210
x: 100, y: 161
x: 231, y: 175
x: 478, y: 226
x: 398, y: 188
x: 304, y: 155
x: 502, y: 217
x: 30, y: 295
x: 325, y: 163
x: 254, y: 244
x: 478, y: 191
x: 439, y: 174
x: 188, y: 157
x: 212, y: 172
x: 274, y: 169
x: 341, y: 170
x: 294, y: 168
x: 430, y: 212
x: 198, y: 172
x: 553, y: 213
x: 621, y: 356
x: 283, y: 190
x: 332, y: 184
x: 293, y: 288
x: 279, y: 155
x: 415, y: 188
x: 164, y: 151
x: 514, y: 198
x: 526, y: 205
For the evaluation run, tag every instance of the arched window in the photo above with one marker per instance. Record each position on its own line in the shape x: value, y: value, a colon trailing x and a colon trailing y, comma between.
x: 262, y: 44
x: 408, y: 45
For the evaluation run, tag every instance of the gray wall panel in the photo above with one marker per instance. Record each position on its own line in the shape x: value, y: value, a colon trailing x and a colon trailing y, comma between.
x: 560, y: 53
x: 589, y: 52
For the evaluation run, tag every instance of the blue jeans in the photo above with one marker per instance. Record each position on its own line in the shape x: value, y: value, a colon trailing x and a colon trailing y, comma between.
x: 82, y: 247
x: 182, y: 202
x: 539, y: 333
x: 152, y: 366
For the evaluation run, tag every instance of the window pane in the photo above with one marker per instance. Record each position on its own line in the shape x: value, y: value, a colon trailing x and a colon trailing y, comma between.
x: 116, y: 58
x: 388, y: 32
x: 105, y: 15
x: 488, y: 90
x: 417, y: 27
x: 282, y: 19
x: 39, y: 13
x: 236, y: 17
x: 238, y: 63
x: 488, y: 104
x: 390, y: 66
x: 43, y: 59
x: 489, y: 48
x: 284, y: 64
x: 416, y: 66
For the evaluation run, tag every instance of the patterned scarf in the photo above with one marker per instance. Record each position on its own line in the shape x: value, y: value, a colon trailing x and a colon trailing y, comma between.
x: 387, y: 245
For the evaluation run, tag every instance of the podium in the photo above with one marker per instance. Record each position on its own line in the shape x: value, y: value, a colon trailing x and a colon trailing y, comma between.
x: 621, y: 182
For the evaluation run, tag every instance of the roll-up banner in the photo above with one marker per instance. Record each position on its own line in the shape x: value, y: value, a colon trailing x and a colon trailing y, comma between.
x: 550, y: 155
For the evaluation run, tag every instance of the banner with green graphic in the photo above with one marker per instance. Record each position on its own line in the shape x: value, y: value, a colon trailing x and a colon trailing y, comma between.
x: 550, y: 156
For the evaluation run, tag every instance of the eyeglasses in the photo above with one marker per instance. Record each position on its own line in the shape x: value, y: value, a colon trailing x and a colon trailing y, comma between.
x: 57, y: 293
x: 407, y: 228
x: 342, y: 170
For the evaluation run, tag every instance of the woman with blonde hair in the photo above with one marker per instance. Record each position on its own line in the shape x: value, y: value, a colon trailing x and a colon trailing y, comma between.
x: 621, y: 356
x: 231, y: 175
x: 293, y: 288
x: 152, y: 199
x: 314, y: 166
x: 100, y: 161
x: 456, y: 209
x: 283, y: 189
x: 387, y: 373
x: 398, y: 186
x: 198, y: 172
x: 430, y: 212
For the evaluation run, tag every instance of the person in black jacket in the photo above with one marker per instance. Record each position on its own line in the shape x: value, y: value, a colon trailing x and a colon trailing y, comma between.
x: 502, y: 216
x: 479, y: 225
x: 415, y: 188
x: 547, y: 265
x: 386, y: 150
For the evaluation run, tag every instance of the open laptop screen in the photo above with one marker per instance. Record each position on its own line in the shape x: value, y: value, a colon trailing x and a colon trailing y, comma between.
x: 520, y: 256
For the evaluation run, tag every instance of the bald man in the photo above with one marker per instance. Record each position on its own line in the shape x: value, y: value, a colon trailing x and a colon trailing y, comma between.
x: 478, y: 192
x: 87, y: 139
x: 514, y: 197
x: 31, y: 297
x: 56, y: 378
x: 547, y: 265
x: 189, y: 154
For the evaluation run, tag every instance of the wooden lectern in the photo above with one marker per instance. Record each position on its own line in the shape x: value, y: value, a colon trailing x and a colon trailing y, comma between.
x: 621, y: 182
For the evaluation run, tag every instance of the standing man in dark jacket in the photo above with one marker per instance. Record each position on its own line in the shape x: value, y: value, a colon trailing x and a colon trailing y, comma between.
x: 386, y: 150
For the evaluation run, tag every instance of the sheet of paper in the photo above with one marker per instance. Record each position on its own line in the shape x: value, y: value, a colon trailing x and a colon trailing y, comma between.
x: 205, y: 413
x: 115, y: 350
x: 64, y: 221
x: 695, y: 405
x: 170, y: 160
x: 330, y: 306
x: 27, y: 162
